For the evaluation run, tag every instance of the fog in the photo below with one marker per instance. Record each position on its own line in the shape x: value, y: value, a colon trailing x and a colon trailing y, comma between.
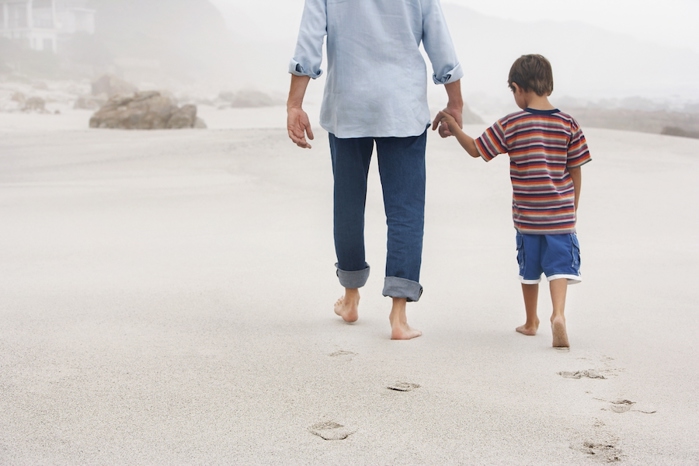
x: 600, y: 51
x: 670, y: 22
x: 604, y: 54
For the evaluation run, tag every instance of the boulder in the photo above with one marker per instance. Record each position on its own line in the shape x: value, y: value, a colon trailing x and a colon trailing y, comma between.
x: 246, y: 99
x: 184, y: 117
x: 35, y: 104
x: 144, y: 110
x: 111, y: 86
x: 88, y: 102
x: 227, y: 96
x: 469, y: 117
x: 19, y: 97
x: 251, y: 99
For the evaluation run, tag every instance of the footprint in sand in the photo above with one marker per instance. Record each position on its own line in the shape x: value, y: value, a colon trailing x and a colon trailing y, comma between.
x: 403, y: 386
x: 342, y: 354
x: 330, y: 430
x: 604, y: 452
x: 589, y: 374
x: 624, y: 406
x: 599, y: 445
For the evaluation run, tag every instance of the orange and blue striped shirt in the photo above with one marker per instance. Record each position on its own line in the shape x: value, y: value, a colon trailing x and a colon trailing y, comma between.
x: 542, y: 145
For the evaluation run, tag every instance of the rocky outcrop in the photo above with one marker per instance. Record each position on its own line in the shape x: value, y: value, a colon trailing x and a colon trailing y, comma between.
x: 145, y: 110
x: 184, y: 117
x: 89, y: 102
x: 247, y: 99
x: 18, y: 97
x: 469, y: 117
x: 35, y: 105
x: 667, y: 122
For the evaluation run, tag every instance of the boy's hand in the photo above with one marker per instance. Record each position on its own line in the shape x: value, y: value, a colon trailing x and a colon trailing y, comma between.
x: 298, y: 126
x: 447, y: 124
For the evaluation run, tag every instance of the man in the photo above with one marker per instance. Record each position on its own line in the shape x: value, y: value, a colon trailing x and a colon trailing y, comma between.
x: 375, y: 94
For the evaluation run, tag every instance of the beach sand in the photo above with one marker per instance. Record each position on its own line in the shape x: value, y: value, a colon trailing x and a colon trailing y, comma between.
x: 167, y: 297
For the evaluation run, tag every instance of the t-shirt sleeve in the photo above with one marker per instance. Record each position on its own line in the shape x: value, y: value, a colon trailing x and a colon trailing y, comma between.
x: 578, y: 152
x: 492, y: 142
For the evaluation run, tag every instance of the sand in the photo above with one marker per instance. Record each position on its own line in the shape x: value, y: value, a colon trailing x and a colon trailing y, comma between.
x: 167, y: 298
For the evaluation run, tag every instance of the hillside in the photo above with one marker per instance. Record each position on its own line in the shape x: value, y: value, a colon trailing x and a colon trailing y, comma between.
x: 185, y: 37
x: 588, y: 62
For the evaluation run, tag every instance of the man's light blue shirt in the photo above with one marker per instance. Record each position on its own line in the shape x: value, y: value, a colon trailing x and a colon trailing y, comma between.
x: 377, y: 78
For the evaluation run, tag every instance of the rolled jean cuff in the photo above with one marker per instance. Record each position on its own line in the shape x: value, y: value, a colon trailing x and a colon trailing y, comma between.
x: 396, y: 287
x: 353, y: 279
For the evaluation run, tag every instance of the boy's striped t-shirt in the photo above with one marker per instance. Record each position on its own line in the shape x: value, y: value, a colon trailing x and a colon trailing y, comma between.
x: 542, y: 145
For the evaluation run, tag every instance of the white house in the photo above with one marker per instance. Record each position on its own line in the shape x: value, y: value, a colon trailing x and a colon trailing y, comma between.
x: 40, y: 24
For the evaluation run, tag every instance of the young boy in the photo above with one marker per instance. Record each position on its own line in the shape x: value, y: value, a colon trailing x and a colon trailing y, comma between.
x: 546, y: 149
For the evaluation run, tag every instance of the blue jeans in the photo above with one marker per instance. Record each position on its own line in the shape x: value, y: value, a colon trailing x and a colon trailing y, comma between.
x: 402, y: 171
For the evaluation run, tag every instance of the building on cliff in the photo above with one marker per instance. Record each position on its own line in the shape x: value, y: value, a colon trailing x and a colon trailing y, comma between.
x: 42, y: 24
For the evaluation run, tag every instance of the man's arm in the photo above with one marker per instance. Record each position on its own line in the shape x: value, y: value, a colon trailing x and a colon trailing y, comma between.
x: 455, y: 108
x: 576, y: 176
x: 297, y: 122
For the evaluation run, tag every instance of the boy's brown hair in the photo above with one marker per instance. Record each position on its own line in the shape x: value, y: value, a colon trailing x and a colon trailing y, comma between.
x: 532, y: 73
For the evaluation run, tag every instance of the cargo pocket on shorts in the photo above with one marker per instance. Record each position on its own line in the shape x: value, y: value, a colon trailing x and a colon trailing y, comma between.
x: 520, y: 253
x: 575, y: 251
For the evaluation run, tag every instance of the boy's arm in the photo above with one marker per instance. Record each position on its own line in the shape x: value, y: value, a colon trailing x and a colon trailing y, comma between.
x: 297, y: 122
x: 576, y: 176
x: 466, y: 141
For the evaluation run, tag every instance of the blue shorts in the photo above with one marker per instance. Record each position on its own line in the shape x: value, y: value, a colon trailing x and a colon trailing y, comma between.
x: 556, y: 256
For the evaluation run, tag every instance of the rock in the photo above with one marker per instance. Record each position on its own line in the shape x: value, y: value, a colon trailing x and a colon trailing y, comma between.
x: 200, y: 124
x: 144, y: 110
x: 248, y: 99
x: 89, y: 103
x: 227, y: 96
x: 19, y: 97
x: 111, y: 86
x: 185, y: 117
x: 35, y: 104
x: 245, y: 99
x: 469, y: 117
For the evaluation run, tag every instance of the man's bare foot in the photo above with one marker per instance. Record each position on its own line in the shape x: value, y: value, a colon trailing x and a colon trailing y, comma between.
x: 560, y: 336
x: 347, y: 307
x: 404, y: 332
x: 528, y: 328
x: 400, y: 330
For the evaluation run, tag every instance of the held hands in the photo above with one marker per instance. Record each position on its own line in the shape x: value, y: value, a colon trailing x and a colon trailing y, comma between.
x: 298, y: 127
x: 448, y: 121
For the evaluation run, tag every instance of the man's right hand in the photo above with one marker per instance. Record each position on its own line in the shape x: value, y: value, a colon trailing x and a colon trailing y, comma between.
x: 298, y: 127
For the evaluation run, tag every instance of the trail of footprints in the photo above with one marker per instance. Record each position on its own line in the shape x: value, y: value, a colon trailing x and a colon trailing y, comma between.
x: 604, y: 449
x: 331, y: 430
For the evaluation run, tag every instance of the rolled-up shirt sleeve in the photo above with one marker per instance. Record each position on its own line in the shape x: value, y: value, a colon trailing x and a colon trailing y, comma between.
x: 308, y: 56
x: 438, y: 45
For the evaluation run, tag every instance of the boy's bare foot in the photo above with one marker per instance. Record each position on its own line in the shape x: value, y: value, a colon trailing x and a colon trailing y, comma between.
x: 560, y: 336
x: 348, y: 308
x: 528, y: 329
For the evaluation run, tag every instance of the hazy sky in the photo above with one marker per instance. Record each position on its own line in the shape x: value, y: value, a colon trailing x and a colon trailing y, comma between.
x: 670, y: 22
